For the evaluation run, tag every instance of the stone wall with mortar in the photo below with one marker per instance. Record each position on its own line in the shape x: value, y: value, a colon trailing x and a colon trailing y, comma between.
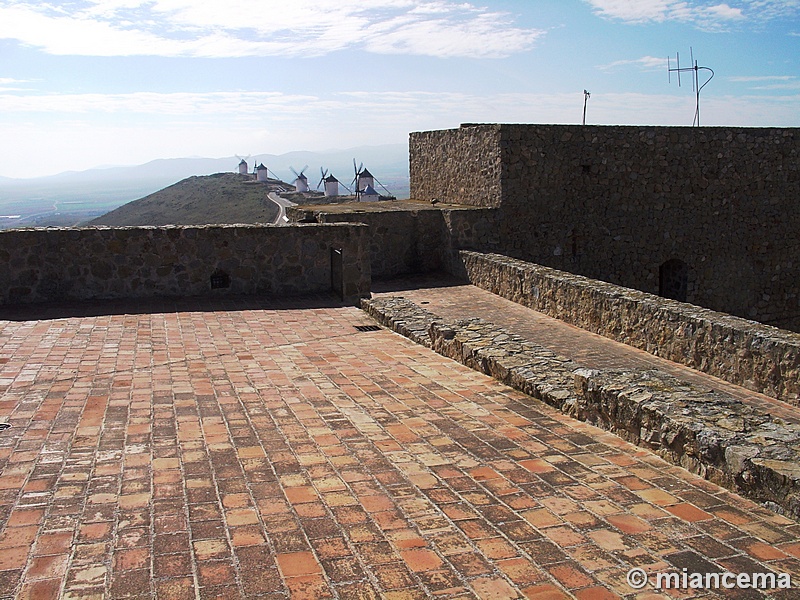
x: 747, y: 353
x: 616, y: 203
x: 38, y: 265
x: 406, y: 238
x: 459, y: 166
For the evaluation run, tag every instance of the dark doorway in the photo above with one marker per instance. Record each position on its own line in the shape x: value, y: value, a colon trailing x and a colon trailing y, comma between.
x: 673, y: 279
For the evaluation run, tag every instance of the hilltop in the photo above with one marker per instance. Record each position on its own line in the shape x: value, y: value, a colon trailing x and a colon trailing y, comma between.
x: 199, y: 200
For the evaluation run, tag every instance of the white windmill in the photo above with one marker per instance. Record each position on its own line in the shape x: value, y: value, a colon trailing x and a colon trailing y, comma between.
x: 301, y: 181
x: 331, y: 183
x: 262, y: 173
x: 364, y: 180
x: 242, y: 164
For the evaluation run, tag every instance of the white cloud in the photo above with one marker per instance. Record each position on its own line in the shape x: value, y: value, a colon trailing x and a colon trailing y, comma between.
x: 788, y: 86
x: 747, y: 79
x: 192, y: 105
x: 227, y: 28
x: 774, y: 9
x: 480, y: 36
x: 9, y: 84
x: 404, y: 110
x: 704, y: 14
x: 70, y: 35
x: 774, y: 82
x: 722, y: 12
x: 638, y: 11
x: 646, y: 63
x: 770, y: 82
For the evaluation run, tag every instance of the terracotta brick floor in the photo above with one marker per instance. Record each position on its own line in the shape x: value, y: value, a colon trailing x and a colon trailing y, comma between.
x: 243, y: 449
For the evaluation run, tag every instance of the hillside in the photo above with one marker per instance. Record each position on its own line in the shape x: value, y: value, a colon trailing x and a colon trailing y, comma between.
x: 199, y: 200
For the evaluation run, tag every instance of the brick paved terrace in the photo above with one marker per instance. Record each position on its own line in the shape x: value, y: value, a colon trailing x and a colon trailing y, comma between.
x: 248, y: 449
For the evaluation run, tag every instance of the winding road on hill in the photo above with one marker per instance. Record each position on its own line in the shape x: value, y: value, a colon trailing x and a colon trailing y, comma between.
x: 282, y: 203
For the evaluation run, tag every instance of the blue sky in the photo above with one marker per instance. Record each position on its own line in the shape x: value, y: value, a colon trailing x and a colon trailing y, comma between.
x: 100, y: 82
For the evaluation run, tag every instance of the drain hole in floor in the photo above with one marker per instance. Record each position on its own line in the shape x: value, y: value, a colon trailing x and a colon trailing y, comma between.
x: 367, y: 327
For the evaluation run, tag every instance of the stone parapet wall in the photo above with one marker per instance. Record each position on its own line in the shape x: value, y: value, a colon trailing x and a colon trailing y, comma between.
x: 468, y: 229
x: 708, y: 433
x: 411, y: 239
x: 616, y: 203
x: 38, y: 265
x: 400, y: 241
x: 746, y: 353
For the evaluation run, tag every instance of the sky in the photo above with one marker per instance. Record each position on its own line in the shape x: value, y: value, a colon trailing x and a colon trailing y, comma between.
x: 88, y: 83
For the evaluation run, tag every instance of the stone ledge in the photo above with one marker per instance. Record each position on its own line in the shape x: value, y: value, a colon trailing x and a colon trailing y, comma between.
x: 402, y: 316
x: 746, y: 353
x: 709, y: 433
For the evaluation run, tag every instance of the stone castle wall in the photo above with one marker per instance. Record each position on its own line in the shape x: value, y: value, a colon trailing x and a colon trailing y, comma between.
x: 38, y: 265
x: 617, y: 203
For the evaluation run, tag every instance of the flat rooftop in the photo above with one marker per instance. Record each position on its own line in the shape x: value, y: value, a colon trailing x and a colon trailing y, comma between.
x: 246, y: 448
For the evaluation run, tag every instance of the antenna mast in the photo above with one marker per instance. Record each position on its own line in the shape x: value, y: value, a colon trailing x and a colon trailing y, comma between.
x: 695, y: 80
x: 586, y: 96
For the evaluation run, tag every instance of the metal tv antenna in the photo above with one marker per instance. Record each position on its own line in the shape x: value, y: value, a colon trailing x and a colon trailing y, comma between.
x: 696, y: 87
x: 586, y: 96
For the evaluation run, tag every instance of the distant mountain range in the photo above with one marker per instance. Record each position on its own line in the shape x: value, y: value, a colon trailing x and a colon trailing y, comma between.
x: 73, y: 198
